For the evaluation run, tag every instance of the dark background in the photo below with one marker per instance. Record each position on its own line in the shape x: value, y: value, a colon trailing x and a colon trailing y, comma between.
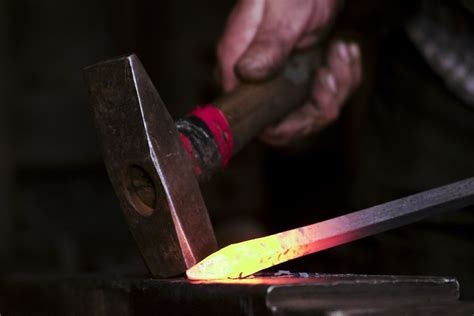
x: 58, y: 213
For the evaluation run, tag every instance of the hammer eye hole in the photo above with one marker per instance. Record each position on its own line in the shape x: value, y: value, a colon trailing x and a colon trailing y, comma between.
x: 141, y: 191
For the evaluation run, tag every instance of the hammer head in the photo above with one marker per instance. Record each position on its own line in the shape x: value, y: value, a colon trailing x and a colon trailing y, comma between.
x: 149, y: 169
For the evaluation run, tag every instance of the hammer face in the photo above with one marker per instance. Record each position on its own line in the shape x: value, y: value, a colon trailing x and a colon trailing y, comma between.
x: 151, y: 174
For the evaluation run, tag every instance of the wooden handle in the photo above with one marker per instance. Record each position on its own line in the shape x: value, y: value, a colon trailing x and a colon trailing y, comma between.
x: 214, y: 133
x: 252, y: 107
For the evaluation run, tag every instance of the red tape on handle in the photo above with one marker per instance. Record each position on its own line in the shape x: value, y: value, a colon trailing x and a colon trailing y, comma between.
x: 220, y: 129
x: 188, y: 147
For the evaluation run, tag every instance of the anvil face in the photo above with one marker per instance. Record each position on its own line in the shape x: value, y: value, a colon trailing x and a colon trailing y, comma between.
x: 282, y: 293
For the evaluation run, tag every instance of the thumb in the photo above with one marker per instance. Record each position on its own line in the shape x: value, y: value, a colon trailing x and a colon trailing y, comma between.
x: 274, y: 40
x: 240, y: 30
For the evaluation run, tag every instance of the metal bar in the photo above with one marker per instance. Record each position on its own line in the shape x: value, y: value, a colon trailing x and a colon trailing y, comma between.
x: 245, y: 258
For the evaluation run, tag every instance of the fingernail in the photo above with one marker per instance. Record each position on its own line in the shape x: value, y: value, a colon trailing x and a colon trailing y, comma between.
x: 331, y: 82
x: 354, y: 50
x: 343, y: 53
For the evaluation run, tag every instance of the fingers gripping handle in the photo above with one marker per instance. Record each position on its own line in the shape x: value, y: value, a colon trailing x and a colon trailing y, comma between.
x: 212, y: 134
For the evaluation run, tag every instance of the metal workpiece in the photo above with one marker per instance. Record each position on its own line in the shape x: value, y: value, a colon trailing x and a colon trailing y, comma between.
x: 248, y: 257
x: 148, y: 167
x: 282, y: 293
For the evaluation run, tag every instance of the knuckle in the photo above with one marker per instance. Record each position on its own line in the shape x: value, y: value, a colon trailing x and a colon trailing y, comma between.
x: 328, y: 114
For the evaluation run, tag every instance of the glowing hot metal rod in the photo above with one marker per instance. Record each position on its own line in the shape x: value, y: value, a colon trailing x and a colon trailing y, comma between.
x: 248, y: 257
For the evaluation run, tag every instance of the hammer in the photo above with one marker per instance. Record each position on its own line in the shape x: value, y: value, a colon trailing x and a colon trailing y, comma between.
x: 155, y: 164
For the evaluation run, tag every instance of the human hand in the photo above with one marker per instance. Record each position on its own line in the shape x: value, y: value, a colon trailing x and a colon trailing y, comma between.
x: 259, y: 37
x: 332, y: 85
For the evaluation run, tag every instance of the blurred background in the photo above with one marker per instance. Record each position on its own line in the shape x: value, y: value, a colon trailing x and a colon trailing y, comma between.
x: 58, y: 212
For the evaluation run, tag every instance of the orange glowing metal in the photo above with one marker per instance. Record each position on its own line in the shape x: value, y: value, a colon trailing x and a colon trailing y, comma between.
x: 245, y: 258
x: 248, y: 257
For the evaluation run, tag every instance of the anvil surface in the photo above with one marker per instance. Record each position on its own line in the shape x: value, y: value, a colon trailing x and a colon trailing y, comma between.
x: 281, y: 293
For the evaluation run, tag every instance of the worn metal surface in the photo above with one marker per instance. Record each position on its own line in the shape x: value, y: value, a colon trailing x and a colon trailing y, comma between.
x: 268, y: 294
x: 148, y: 167
x: 399, y: 212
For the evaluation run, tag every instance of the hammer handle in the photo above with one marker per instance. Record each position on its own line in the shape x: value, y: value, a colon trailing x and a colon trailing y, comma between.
x: 252, y: 107
x: 212, y: 138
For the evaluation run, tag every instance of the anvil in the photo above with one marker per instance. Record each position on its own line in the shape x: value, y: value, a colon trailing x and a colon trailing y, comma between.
x: 279, y: 294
